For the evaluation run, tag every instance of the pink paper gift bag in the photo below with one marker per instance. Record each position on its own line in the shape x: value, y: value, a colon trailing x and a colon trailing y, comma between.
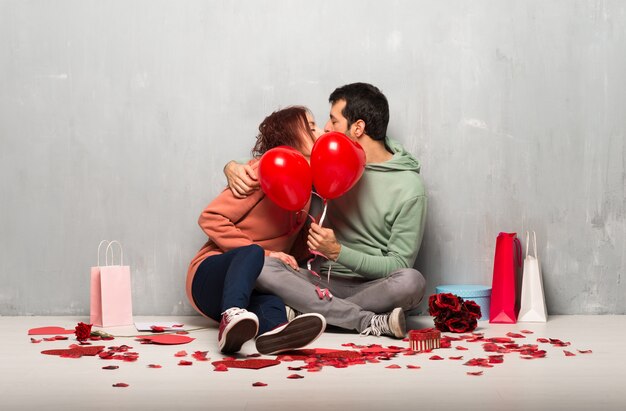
x: 503, y: 291
x: 111, y: 300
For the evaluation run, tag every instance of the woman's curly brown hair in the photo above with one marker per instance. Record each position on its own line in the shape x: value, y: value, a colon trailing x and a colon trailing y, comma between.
x: 282, y: 128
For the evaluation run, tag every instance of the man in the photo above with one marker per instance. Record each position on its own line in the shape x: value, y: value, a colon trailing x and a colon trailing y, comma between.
x: 374, y: 230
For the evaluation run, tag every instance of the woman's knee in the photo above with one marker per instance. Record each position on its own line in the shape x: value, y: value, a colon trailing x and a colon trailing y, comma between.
x: 255, y: 250
x: 254, y: 255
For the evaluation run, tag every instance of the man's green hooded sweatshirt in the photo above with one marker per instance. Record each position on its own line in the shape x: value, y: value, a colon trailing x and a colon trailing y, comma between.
x: 380, y: 221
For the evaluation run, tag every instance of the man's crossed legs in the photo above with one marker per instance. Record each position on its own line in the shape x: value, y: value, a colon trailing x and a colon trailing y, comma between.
x: 356, y: 303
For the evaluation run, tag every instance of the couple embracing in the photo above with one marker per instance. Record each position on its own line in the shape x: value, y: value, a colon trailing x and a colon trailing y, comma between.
x: 247, y: 276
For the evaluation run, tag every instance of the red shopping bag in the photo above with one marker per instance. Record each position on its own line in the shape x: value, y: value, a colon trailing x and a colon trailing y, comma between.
x: 503, y: 287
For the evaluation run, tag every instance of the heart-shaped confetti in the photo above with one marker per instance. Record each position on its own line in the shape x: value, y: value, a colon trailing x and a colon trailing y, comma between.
x: 165, y: 339
x: 252, y: 364
x: 49, y: 331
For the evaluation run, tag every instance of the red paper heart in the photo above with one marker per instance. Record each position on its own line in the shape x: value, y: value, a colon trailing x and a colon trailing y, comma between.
x: 75, y: 350
x: 200, y: 355
x: 342, y: 354
x: 49, y: 331
x: 252, y: 364
x: 167, y: 339
x: 379, y: 349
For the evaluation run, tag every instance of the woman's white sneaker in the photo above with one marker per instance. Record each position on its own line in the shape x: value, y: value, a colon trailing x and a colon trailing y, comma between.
x: 237, y: 327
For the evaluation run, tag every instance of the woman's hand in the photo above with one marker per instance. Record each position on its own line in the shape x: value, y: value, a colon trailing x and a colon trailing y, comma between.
x: 323, y: 240
x: 285, y: 258
x: 242, y: 178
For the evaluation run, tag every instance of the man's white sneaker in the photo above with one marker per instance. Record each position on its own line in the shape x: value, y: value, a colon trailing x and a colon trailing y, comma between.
x: 392, y: 324
x: 291, y: 313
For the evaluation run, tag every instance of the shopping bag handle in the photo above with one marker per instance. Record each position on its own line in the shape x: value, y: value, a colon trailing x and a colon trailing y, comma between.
x: 518, y: 251
x: 534, y: 243
x: 99, y: 246
x: 112, y: 256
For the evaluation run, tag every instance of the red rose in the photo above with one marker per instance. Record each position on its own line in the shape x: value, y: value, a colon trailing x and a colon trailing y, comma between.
x: 473, y: 323
x: 83, y: 331
x: 448, y: 301
x: 458, y: 324
x: 433, y: 309
x: 473, y: 309
x: 440, y: 325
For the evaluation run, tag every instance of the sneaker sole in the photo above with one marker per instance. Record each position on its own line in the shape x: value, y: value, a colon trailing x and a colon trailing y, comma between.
x: 400, y: 325
x: 297, y: 334
x: 241, y: 332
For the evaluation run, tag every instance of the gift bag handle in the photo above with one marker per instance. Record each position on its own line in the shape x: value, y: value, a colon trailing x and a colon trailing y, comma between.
x: 534, y: 243
x: 112, y: 256
x: 99, y: 246
x: 518, y: 251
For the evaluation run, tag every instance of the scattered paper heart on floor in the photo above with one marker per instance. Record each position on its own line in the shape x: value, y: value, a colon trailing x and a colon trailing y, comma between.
x: 165, y: 339
x: 76, y: 351
x: 302, y: 355
x: 342, y: 354
x: 322, y: 351
x: 252, y: 364
x: 49, y: 331
x: 379, y: 349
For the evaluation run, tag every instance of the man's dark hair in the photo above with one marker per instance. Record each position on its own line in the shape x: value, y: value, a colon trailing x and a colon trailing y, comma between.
x: 364, y: 102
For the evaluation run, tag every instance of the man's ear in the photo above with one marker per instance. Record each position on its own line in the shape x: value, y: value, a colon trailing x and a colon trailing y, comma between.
x: 357, y: 129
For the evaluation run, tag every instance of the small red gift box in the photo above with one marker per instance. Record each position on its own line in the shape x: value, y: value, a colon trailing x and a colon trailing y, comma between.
x: 425, y: 339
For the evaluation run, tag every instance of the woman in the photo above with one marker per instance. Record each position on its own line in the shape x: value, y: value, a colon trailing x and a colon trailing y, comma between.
x: 242, y: 232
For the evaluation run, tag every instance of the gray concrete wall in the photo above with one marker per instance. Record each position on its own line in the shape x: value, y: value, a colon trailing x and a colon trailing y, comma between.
x: 117, y: 117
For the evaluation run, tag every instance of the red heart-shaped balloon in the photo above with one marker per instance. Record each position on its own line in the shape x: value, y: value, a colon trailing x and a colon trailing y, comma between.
x: 337, y: 163
x: 285, y: 177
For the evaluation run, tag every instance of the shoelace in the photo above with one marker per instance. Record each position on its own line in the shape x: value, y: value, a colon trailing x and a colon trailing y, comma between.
x: 232, y: 312
x: 378, y: 326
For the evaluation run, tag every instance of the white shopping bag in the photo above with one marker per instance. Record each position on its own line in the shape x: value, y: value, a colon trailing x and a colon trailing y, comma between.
x: 533, y: 302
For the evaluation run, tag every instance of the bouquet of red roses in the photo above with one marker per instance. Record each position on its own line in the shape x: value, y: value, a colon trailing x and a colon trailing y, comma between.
x: 452, y: 313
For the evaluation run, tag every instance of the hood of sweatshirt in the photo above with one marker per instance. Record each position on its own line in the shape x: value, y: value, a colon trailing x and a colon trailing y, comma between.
x: 402, y: 160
